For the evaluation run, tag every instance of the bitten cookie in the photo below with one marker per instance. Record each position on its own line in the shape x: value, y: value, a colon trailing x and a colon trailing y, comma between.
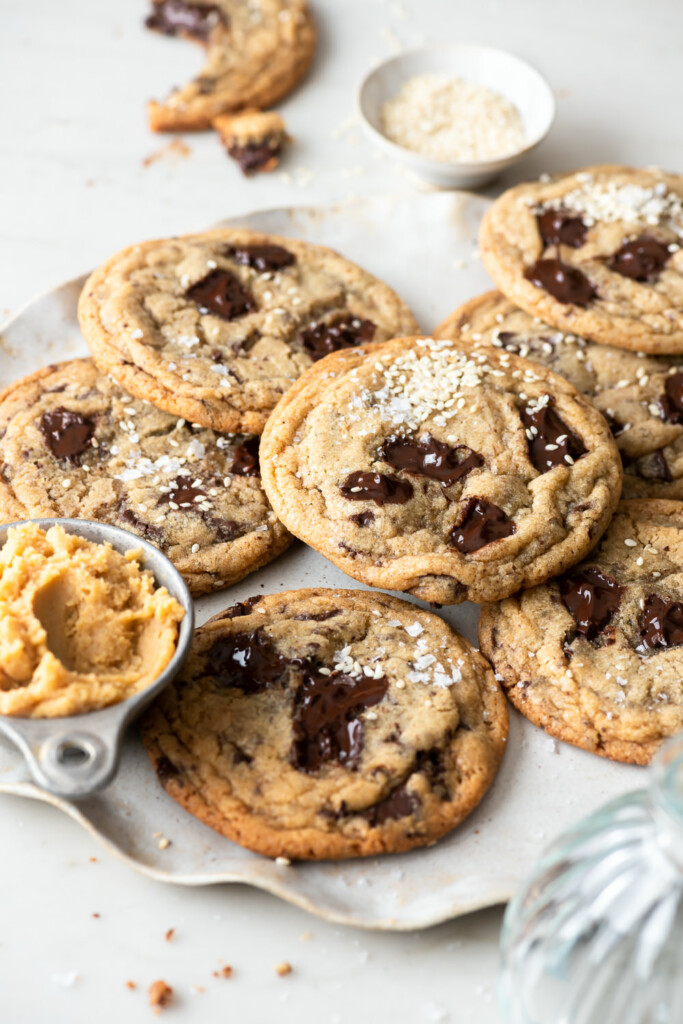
x: 433, y: 468
x: 215, y: 327
x: 254, y: 139
x: 319, y: 724
x: 640, y: 396
x: 256, y: 53
x: 596, y: 657
x: 72, y: 443
x: 595, y: 253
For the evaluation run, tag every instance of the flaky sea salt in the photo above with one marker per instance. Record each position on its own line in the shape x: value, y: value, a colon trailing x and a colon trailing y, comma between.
x: 448, y: 118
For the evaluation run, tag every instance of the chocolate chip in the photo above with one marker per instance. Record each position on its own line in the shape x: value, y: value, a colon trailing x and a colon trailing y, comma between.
x: 549, y: 429
x: 399, y: 804
x: 225, y: 529
x: 260, y: 257
x: 153, y: 533
x: 671, y: 402
x: 247, y: 662
x: 254, y: 156
x: 661, y: 624
x: 182, y: 493
x: 482, y: 522
x: 565, y: 283
x: 377, y: 487
x: 640, y: 260
x: 430, y: 458
x: 319, y: 616
x: 593, y: 598
x: 561, y: 227
x: 362, y: 518
x: 241, y: 608
x: 165, y: 770
x: 326, y: 725
x: 652, y: 466
x: 344, y: 331
x: 175, y: 17
x: 245, y: 458
x: 222, y: 294
x: 67, y: 434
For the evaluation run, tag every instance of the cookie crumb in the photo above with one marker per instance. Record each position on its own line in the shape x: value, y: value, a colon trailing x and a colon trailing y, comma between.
x: 283, y: 861
x: 160, y: 995
x: 283, y: 969
x: 131, y: 985
x: 164, y: 843
x: 169, y: 934
x: 223, y: 972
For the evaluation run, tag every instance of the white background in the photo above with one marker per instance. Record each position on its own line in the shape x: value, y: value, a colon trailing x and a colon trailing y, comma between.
x: 74, y: 187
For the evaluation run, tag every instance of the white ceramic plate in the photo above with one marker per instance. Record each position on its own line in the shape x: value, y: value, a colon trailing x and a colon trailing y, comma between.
x: 417, y: 244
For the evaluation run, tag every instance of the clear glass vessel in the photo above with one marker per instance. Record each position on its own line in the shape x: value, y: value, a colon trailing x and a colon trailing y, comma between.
x: 596, y: 934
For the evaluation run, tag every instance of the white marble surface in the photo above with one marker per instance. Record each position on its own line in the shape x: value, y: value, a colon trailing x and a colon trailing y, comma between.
x: 73, y: 79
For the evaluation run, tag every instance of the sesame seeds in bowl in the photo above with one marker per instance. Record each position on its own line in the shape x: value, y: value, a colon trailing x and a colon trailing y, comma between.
x: 458, y: 115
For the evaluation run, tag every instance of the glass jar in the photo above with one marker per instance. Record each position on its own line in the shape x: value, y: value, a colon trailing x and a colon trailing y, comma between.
x: 596, y: 934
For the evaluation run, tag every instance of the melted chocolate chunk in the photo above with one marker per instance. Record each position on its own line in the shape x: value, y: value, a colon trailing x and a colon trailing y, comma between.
x: 431, y: 458
x: 247, y: 662
x: 661, y: 624
x: 183, y: 493
x: 253, y: 156
x: 652, y: 467
x: 226, y: 529
x: 241, y: 608
x: 671, y: 402
x: 552, y: 439
x: 152, y: 533
x: 345, y: 331
x: 222, y: 294
x: 561, y: 227
x: 481, y: 524
x: 377, y: 487
x: 565, y: 283
x: 326, y: 725
x: 245, y: 458
x: 166, y: 770
x: 67, y: 434
x: 319, y: 616
x: 592, y: 597
x: 362, y: 518
x: 399, y: 804
x: 175, y: 17
x: 261, y: 257
x: 640, y: 260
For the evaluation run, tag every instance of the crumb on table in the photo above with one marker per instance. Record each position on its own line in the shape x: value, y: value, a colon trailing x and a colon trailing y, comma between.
x: 160, y: 995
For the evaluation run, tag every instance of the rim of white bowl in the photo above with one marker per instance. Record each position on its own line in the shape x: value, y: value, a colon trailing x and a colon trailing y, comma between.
x: 411, y: 155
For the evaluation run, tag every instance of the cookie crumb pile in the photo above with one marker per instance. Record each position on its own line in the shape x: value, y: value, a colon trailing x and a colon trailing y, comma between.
x: 447, y: 118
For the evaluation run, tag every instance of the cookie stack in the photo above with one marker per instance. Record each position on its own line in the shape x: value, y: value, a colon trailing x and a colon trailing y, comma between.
x: 247, y: 388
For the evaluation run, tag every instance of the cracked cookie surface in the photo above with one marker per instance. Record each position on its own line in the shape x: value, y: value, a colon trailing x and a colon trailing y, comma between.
x: 216, y: 326
x: 640, y: 396
x: 596, y: 253
x: 319, y: 724
x: 595, y: 657
x: 256, y: 53
x: 441, y: 470
x: 73, y: 444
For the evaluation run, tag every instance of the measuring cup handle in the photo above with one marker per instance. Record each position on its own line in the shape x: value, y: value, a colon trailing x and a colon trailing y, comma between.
x: 70, y: 763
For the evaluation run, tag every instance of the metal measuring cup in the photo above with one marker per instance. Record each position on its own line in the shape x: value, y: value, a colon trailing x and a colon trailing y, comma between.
x: 76, y: 755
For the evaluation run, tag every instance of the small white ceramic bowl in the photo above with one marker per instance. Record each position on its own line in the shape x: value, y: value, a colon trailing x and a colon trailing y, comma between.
x: 484, y: 65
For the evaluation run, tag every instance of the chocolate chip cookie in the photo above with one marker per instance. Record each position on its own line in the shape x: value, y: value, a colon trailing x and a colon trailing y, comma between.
x: 640, y: 396
x: 319, y: 724
x: 596, y: 657
x: 215, y: 327
x: 441, y: 470
x: 256, y: 53
x: 596, y: 253
x: 72, y: 443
